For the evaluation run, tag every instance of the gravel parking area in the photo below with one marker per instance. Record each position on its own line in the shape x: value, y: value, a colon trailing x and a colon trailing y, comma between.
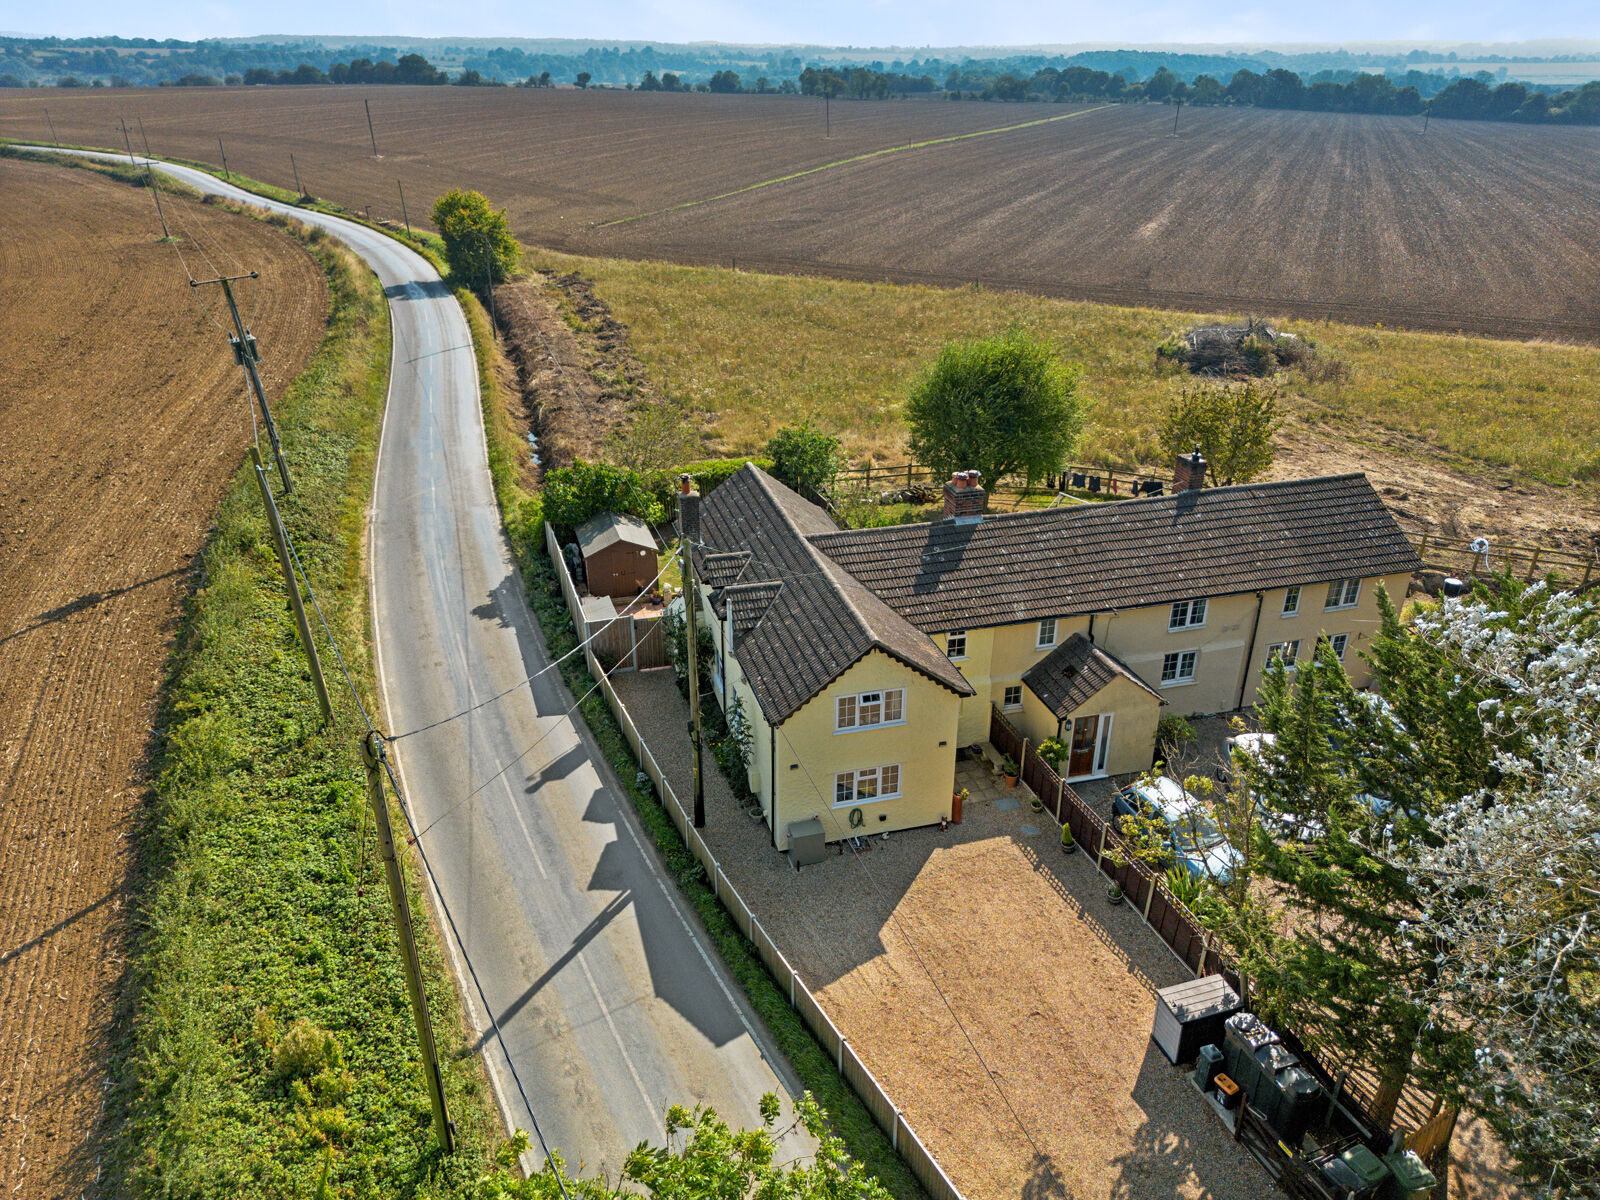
x: 989, y: 985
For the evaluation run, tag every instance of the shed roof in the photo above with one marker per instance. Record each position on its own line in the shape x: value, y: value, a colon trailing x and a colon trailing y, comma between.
x: 1013, y: 567
x: 1069, y: 676
x: 608, y: 528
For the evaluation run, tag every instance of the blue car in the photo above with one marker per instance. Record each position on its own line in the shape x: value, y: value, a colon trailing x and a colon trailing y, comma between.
x: 1192, y: 836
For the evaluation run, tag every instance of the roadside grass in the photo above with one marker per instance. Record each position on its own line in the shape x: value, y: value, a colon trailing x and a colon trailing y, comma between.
x: 524, y: 525
x: 269, y: 1049
x: 754, y: 352
x: 123, y: 172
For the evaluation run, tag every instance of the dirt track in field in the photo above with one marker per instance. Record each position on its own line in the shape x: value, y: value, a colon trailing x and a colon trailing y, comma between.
x: 121, y: 418
x: 1479, y: 227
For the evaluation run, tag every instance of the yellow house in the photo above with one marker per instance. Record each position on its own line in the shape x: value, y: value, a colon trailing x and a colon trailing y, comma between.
x: 865, y: 658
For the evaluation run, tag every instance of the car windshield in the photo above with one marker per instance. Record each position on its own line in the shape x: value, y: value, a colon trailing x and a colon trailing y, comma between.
x: 1196, y: 832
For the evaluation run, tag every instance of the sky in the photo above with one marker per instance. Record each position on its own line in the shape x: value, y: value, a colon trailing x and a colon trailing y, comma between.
x: 906, y: 23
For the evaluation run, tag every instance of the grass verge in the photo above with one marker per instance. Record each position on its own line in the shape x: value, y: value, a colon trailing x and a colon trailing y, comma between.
x: 755, y: 352
x: 524, y: 525
x: 270, y: 1050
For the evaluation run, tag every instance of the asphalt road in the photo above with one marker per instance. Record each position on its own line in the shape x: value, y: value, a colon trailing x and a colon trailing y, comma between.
x: 610, y: 1002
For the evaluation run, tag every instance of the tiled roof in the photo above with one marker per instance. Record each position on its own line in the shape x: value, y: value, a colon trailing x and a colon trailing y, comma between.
x: 1067, y: 677
x: 1087, y: 558
x: 815, y: 621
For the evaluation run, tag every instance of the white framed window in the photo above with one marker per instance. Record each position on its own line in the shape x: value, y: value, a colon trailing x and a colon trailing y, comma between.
x: 866, y: 785
x: 955, y: 643
x: 1343, y: 593
x: 864, y: 710
x: 1013, y: 695
x: 1178, y: 667
x: 1105, y: 742
x: 1339, y: 641
x: 1186, y: 614
x: 1291, y: 601
x: 1288, y: 651
x: 1047, y: 633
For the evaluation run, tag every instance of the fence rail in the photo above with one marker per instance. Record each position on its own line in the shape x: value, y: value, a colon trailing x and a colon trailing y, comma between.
x: 890, y: 1119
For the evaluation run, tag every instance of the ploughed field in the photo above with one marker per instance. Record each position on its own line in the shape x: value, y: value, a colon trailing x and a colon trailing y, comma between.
x: 1479, y: 227
x: 121, y: 419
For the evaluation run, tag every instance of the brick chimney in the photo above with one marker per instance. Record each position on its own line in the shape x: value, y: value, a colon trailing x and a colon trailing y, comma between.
x: 1190, y: 472
x: 688, y: 509
x: 964, y: 498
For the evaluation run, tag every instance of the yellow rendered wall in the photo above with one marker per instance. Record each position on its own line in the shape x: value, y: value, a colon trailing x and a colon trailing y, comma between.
x: 1135, y: 713
x: 810, y: 753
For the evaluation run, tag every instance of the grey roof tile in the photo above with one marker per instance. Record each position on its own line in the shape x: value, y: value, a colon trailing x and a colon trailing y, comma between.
x: 816, y: 620
x: 1013, y: 567
x: 1069, y: 676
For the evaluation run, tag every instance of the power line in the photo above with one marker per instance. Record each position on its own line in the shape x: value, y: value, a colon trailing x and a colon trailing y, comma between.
x: 894, y: 915
x: 483, y: 999
x: 548, y: 666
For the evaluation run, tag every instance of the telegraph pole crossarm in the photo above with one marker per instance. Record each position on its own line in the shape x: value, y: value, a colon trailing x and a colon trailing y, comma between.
x: 373, y: 752
x: 248, y: 356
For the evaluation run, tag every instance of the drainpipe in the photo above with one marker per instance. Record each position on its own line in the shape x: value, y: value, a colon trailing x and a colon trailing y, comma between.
x: 1091, y: 629
x: 772, y: 806
x: 1250, y: 650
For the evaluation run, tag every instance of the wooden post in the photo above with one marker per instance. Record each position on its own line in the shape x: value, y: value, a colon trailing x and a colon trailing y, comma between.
x: 1588, y: 570
x: 1149, y: 896
x: 372, y: 752
x: 1533, y: 564
x: 1422, y: 550
x: 1101, y: 853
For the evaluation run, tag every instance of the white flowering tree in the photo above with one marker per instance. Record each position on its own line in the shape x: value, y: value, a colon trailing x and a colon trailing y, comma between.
x: 1510, y: 878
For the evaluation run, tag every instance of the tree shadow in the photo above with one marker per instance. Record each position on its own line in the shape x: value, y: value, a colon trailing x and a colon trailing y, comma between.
x: 1181, y: 1146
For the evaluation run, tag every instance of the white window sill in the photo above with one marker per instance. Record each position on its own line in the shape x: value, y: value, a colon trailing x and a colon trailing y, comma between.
x: 869, y: 800
x: 956, y: 657
x: 870, y: 728
x: 1177, y: 682
x: 1340, y: 607
x: 1291, y: 613
x: 1011, y: 708
x: 1185, y: 628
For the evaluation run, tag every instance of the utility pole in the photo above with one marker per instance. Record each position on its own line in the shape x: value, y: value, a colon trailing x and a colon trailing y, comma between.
x: 143, y: 138
x: 403, y: 214
x: 280, y: 539
x: 368, y: 105
x: 226, y: 173
x: 373, y: 753
x: 155, y: 192
x: 1178, y: 112
x: 1425, y: 115
x: 247, y: 354
x: 688, y: 535
x: 54, y: 140
x: 827, y: 112
x: 299, y: 191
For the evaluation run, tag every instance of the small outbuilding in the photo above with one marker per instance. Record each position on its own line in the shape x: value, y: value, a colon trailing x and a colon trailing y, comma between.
x: 619, y: 554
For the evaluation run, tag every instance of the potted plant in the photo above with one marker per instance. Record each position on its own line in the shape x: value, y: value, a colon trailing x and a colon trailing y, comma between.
x: 1053, y: 750
x: 958, y: 801
x: 1008, y: 768
x: 1114, y: 893
x: 1037, y: 804
x: 1068, y: 843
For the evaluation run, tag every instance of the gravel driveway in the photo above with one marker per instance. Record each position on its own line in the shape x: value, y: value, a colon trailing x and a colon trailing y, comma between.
x: 988, y: 984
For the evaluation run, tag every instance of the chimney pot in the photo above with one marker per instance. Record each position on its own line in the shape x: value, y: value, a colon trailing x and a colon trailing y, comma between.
x: 964, y: 497
x: 685, y: 483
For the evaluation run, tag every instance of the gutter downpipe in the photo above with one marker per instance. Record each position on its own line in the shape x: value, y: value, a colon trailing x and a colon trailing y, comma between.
x: 772, y: 744
x: 1250, y: 650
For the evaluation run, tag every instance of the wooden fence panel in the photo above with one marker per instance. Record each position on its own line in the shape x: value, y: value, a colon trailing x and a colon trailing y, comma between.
x: 650, y: 643
x: 868, y: 1088
x: 923, y: 1165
